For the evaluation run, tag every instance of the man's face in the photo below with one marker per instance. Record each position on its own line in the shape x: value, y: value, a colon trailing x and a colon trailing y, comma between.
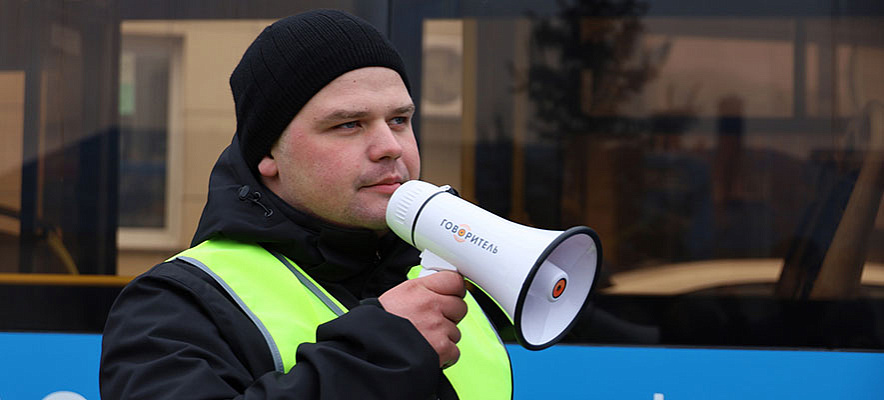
x: 347, y: 150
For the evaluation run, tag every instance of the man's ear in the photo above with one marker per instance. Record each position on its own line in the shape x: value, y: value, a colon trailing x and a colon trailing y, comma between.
x: 267, y: 167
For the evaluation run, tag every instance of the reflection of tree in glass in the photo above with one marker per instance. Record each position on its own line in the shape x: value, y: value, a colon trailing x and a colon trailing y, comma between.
x: 586, y: 64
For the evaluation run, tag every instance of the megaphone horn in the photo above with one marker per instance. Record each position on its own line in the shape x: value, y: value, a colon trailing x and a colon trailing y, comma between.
x: 541, y: 278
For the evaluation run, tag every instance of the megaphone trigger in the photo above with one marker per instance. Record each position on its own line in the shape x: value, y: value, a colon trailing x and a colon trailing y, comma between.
x: 432, y: 263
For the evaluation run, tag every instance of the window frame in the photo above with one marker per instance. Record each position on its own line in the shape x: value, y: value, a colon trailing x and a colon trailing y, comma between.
x: 169, y: 236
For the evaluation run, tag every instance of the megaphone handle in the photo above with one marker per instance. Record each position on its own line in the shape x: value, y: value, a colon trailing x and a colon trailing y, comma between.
x: 432, y: 263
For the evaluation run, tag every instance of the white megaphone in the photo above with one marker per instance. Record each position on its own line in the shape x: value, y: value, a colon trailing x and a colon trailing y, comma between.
x: 540, y: 278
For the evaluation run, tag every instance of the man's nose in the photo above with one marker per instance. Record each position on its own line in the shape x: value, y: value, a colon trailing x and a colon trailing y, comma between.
x: 384, y: 143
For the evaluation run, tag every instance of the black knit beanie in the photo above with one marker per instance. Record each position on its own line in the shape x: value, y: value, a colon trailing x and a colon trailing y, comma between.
x: 289, y: 62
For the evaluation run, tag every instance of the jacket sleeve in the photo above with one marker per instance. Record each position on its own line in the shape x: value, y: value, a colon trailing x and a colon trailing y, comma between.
x: 172, y: 334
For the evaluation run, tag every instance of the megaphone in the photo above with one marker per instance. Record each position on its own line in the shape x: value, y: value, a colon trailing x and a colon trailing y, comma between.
x: 541, y: 278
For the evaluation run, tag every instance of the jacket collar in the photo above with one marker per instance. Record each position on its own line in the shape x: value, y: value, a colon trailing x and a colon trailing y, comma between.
x: 239, y: 207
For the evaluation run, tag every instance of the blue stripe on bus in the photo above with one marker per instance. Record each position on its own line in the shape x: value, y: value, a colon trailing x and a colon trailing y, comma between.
x: 34, y: 365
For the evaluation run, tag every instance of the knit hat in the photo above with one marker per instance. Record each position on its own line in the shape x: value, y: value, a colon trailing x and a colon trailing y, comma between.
x: 289, y: 62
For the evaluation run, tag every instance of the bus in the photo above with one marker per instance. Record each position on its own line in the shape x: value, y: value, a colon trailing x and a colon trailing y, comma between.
x: 730, y: 156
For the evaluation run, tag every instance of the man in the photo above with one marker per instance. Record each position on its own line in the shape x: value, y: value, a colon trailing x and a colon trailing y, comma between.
x: 295, y: 288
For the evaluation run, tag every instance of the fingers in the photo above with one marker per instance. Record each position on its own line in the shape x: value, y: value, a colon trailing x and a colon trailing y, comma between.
x: 452, y: 308
x: 446, y: 344
x: 445, y: 283
x: 451, y: 290
x: 434, y: 304
x: 454, y: 335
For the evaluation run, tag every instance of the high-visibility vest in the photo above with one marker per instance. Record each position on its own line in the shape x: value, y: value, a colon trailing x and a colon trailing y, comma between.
x: 287, y: 306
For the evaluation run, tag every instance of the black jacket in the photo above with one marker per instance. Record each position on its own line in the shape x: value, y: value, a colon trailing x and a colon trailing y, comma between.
x: 174, y: 333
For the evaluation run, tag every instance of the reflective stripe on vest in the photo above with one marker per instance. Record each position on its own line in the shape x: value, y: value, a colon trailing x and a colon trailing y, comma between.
x: 287, y: 306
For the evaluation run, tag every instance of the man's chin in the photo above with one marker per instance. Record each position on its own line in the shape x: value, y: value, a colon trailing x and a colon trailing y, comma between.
x: 357, y: 224
x: 377, y: 225
x: 376, y: 221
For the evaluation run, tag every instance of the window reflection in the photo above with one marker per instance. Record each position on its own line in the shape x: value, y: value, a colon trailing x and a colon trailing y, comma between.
x: 12, y: 107
x: 720, y: 158
x: 144, y: 102
x: 713, y: 155
x: 176, y: 115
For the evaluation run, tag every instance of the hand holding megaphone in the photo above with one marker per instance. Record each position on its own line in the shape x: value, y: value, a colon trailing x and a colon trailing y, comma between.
x: 434, y: 306
x: 541, y: 278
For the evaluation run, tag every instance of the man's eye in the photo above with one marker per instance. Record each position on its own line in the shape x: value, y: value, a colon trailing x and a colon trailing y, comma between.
x: 399, y: 120
x: 349, y: 125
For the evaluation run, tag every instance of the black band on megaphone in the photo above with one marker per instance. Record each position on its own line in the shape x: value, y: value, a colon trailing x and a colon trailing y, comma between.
x: 417, y: 215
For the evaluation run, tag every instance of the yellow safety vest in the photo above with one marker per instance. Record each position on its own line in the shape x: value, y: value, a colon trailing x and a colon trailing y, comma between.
x: 287, y: 306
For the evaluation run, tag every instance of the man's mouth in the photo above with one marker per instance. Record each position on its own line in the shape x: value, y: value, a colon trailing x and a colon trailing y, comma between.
x: 385, y: 186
